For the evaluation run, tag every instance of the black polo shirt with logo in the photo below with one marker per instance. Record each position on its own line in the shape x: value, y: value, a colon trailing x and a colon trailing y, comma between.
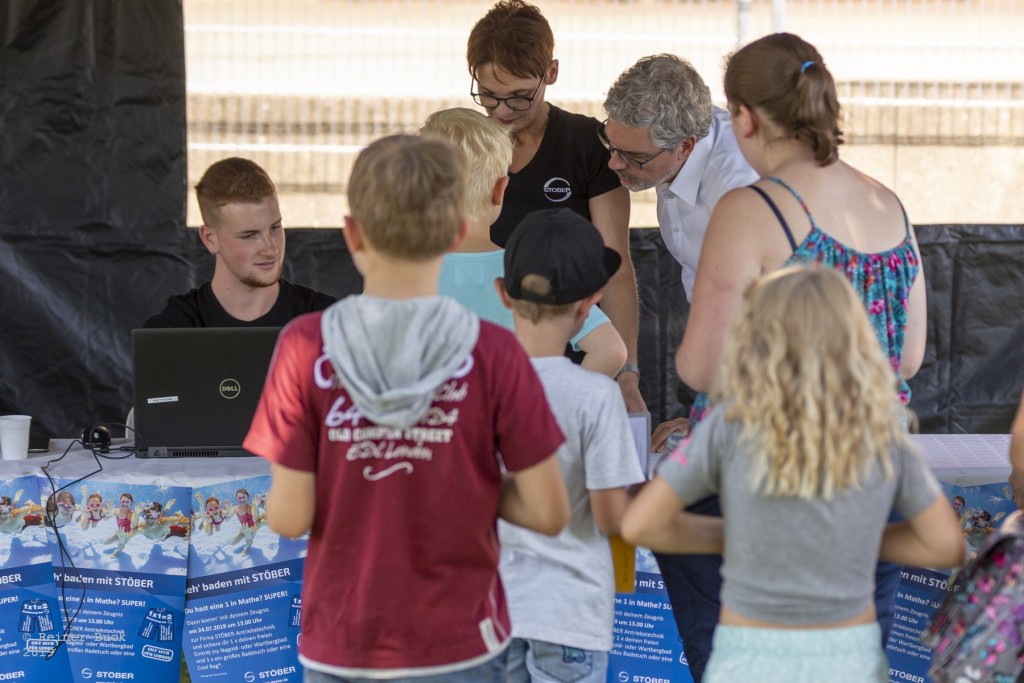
x: 569, y: 168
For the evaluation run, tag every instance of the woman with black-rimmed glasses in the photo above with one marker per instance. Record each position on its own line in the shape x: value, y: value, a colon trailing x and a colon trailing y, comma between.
x: 557, y: 159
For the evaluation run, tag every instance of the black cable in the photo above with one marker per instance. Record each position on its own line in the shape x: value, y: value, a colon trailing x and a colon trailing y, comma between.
x: 63, y: 554
x: 50, y: 516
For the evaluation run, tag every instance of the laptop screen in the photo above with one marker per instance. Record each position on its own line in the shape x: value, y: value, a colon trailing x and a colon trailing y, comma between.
x: 196, y: 389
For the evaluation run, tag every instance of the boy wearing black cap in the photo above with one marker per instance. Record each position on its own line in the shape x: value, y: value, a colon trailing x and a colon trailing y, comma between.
x: 561, y: 590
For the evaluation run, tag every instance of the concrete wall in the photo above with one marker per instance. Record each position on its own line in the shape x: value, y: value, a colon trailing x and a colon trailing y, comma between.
x: 953, y: 155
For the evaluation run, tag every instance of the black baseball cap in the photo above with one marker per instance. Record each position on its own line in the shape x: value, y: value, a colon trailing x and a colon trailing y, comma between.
x: 565, y: 248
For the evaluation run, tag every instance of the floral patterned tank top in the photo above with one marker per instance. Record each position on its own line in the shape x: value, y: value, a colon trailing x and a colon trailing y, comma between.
x: 882, y: 281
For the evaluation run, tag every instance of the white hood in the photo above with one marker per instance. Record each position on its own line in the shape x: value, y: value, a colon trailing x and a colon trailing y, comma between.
x: 391, y: 355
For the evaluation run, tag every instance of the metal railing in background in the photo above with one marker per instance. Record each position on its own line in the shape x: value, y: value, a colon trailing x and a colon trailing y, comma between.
x: 302, y: 86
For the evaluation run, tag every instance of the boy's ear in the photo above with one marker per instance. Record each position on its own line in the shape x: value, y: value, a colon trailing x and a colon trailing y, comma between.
x: 498, y: 193
x: 499, y: 287
x: 353, y: 235
x: 584, y: 310
x: 461, y: 236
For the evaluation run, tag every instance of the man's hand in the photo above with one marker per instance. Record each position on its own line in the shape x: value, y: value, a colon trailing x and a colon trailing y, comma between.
x: 629, y: 385
x: 659, y: 440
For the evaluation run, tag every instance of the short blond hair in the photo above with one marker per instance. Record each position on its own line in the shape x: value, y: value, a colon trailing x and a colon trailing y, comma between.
x: 535, y: 311
x: 407, y: 193
x: 804, y: 374
x: 488, y: 149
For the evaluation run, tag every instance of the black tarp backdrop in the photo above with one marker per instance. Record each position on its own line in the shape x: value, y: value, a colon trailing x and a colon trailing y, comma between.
x: 92, y: 236
x: 93, y: 119
x: 92, y: 178
x: 67, y: 361
x: 973, y: 370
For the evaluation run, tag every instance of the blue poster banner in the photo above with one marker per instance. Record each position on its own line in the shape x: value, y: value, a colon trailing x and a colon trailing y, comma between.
x: 120, y: 557
x: 647, y: 647
x: 244, y: 588
x: 31, y: 627
x: 980, y: 509
x: 921, y: 591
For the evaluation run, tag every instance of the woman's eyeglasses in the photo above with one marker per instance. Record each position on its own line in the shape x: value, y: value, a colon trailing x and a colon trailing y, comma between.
x: 515, y: 103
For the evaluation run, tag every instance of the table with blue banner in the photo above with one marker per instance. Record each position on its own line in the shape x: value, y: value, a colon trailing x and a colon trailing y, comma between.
x: 146, y: 561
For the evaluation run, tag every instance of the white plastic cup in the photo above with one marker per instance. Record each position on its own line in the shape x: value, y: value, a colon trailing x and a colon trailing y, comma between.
x: 14, y: 436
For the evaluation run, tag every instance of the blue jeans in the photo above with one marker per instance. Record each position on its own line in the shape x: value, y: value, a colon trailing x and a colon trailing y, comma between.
x: 537, y: 660
x: 491, y: 671
x: 694, y: 583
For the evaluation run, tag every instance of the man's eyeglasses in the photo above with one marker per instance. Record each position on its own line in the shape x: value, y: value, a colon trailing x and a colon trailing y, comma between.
x: 515, y: 103
x: 615, y: 150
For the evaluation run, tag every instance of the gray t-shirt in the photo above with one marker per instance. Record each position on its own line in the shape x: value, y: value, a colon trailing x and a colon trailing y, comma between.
x: 562, y: 589
x: 787, y: 560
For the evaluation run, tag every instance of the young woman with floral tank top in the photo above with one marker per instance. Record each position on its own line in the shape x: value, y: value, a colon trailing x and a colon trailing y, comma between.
x: 809, y: 206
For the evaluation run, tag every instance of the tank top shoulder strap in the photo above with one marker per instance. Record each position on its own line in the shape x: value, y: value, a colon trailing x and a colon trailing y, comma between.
x: 778, y: 214
x: 796, y: 196
x: 906, y: 220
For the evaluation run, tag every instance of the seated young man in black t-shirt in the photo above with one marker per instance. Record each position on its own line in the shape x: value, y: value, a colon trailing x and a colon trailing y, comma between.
x: 242, y: 229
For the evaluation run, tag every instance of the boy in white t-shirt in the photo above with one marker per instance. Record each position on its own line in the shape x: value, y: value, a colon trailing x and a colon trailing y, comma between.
x: 561, y: 590
x: 467, y: 274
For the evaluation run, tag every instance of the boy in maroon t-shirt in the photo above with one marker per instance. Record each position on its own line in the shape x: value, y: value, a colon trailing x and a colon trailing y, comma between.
x: 383, y: 418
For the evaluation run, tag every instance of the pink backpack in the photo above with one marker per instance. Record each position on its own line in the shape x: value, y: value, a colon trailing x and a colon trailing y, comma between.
x: 978, y: 632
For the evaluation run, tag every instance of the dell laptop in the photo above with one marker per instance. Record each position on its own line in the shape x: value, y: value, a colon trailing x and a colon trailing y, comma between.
x: 196, y: 389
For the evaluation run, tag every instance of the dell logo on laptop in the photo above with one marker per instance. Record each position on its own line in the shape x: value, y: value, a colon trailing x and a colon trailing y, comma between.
x: 229, y: 388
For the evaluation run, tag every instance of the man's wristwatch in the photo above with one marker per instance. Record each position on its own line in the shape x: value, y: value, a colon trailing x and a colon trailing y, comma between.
x: 628, y: 367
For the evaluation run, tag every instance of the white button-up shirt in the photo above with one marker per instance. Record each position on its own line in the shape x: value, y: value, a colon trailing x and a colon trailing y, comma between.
x: 714, y: 167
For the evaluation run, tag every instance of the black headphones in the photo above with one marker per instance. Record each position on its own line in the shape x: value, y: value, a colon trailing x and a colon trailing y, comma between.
x: 96, y: 438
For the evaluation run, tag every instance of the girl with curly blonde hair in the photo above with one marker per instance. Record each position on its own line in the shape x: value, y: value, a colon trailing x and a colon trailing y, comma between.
x: 807, y: 450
